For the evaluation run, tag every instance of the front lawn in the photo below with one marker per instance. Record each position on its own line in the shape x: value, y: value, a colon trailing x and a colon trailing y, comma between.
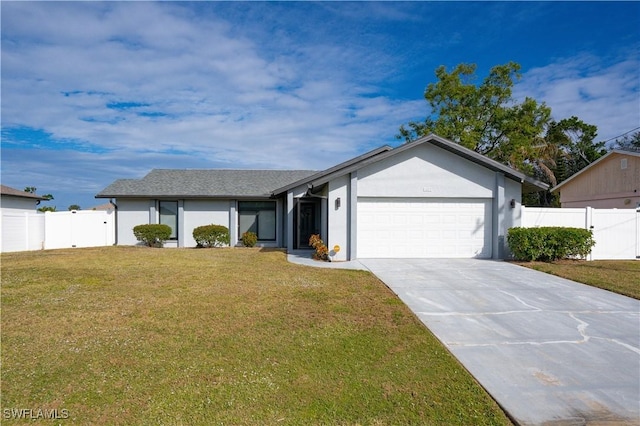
x: 130, y: 335
x: 620, y: 276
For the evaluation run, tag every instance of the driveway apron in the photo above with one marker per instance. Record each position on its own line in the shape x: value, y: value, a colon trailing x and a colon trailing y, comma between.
x: 548, y: 350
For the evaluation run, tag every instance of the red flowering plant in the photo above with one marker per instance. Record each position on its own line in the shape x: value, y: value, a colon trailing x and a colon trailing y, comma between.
x: 322, y: 252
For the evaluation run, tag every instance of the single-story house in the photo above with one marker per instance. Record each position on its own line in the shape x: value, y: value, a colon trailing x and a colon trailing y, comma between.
x: 17, y: 200
x: 427, y: 198
x: 611, y: 182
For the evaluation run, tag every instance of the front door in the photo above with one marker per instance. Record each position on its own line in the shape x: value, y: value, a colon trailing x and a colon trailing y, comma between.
x: 308, y: 222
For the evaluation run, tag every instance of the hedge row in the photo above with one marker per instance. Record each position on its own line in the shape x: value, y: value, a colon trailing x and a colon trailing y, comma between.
x: 549, y: 243
x: 154, y: 235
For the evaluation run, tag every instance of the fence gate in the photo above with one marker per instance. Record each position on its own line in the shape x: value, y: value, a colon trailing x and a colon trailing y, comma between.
x: 617, y: 233
x: 79, y: 229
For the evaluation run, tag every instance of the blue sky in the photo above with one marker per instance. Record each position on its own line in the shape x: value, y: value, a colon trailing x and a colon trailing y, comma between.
x: 92, y: 91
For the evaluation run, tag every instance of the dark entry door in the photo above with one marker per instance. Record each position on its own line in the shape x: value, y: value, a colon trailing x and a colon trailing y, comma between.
x: 308, y: 222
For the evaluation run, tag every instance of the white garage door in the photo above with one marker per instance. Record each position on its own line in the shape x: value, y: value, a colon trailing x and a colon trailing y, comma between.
x: 424, y: 228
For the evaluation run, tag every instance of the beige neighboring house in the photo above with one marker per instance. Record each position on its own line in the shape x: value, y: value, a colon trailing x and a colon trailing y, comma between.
x: 611, y: 182
x: 104, y: 207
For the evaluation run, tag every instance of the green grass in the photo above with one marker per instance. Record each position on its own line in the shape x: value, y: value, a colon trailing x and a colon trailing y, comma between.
x: 620, y: 276
x: 134, y: 336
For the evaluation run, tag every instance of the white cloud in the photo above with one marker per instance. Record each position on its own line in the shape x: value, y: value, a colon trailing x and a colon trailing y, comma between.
x: 604, y: 94
x: 225, y: 84
x: 211, y: 92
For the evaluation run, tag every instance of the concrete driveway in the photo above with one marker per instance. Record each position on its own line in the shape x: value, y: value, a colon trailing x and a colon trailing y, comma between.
x: 549, y: 350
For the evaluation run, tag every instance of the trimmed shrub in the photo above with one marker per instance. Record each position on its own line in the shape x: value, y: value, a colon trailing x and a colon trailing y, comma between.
x: 249, y: 239
x: 211, y: 236
x: 152, y: 235
x: 549, y: 243
x: 322, y: 252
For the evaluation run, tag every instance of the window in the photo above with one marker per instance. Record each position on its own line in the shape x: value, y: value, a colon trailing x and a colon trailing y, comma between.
x: 258, y: 217
x: 169, y: 216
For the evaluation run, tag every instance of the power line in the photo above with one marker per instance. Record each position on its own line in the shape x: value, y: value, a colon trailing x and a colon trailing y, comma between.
x: 625, y: 133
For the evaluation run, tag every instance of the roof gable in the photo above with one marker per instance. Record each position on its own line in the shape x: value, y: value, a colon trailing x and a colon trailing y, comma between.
x: 529, y: 183
x: 595, y: 164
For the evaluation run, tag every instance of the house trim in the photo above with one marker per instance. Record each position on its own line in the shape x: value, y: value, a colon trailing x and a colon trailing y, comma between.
x: 532, y: 184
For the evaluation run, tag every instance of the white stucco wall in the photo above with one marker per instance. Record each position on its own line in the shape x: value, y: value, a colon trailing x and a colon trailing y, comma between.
x: 338, y: 217
x: 131, y: 212
x: 18, y: 204
x: 513, y: 191
x: 203, y: 212
x: 426, y: 171
x: 299, y: 191
x: 290, y: 233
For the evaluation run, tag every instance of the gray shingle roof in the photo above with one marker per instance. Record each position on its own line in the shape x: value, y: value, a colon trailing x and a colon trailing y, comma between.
x: 204, y: 183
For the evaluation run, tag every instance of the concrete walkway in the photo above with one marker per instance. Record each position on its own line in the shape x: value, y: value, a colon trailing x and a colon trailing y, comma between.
x: 550, y: 351
x: 303, y: 257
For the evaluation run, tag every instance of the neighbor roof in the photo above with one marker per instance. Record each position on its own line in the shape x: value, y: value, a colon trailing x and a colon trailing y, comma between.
x: 103, y: 207
x: 590, y: 166
x: 204, y: 183
x: 7, y: 190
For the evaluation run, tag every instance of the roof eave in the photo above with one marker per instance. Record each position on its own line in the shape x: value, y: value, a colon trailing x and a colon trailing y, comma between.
x: 25, y: 197
x: 332, y: 170
x: 448, y: 146
x: 187, y: 197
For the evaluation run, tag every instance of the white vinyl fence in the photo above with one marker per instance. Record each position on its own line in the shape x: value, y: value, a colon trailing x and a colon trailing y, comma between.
x: 616, y: 231
x: 23, y: 231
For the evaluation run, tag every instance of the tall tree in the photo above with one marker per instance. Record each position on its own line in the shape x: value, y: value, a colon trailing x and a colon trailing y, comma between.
x: 47, y: 197
x: 628, y: 142
x: 33, y: 189
x: 568, y: 147
x: 484, y: 117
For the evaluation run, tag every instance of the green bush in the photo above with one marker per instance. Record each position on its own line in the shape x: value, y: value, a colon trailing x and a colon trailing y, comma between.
x: 249, y: 239
x: 153, y: 235
x: 211, y: 236
x: 549, y: 243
